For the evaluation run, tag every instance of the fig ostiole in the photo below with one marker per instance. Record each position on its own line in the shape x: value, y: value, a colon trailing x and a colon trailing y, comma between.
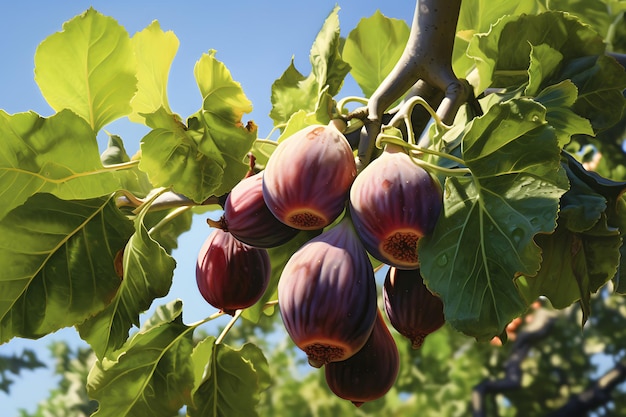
x: 327, y: 295
x: 369, y: 373
x: 230, y: 274
x: 394, y: 202
x: 248, y: 219
x: 307, y: 179
x: 412, y: 309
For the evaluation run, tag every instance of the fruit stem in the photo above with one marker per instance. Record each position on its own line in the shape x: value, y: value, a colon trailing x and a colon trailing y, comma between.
x: 384, y: 139
x: 229, y: 326
x: 404, y: 114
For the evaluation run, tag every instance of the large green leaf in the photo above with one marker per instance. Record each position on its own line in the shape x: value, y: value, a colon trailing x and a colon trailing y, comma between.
x: 147, y: 271
x: 502, y: 56
x: 57, y: 259
x: 373, y: 48
x: 152, y: 373
x: 485, y: 235
x: 601, y: 82
x: 228, y: 381
x: 88, y: 68
x: 155, y: 51
x: 57, y: 155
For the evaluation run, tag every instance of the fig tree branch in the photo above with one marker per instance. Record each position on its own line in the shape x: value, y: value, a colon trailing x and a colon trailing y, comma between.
x: 425, y: 64
x: 598, y: 393
x: 538, y: 329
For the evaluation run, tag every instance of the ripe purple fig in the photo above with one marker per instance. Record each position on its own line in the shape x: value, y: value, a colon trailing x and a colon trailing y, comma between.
x: 230, y: 274
x: 327, y: 295
x: 371, y: 372
x: 394, y: 202
x: 412, y: 309
x: 308, y: 177
x: 248, y: 219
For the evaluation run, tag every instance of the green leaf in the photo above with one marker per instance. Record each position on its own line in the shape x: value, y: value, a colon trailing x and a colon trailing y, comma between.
x: 152, y: 374
x: 57, y: 259
x: 89, y: 68
x: 373, y: 48
x: 148, y: 271
x: 133, y: 179
x: 485, y: 235
x: 291, y: 93
x: 207, y: 157
x: 558, y: 100
x: 544, y: 61
x: 294, y: 92
x: 155, y: 50
x: 327, y: 66
x: 57, y: 155
x: 601, y: 82
x: 502, y: 56
x: 575, y: 265
x: 228, y: 381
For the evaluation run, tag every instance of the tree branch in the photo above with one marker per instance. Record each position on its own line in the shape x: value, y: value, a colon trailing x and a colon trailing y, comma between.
x: 535, y: 331
x: 597, y: 394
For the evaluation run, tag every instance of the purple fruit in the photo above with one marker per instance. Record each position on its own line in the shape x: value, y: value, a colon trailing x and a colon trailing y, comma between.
x: 230, y: 274
x: 327, y: 295
x: 394, y: 202
x: 412, y: 309
x: 371, y: 372
x: 308, y: 177
x: 248, y: 219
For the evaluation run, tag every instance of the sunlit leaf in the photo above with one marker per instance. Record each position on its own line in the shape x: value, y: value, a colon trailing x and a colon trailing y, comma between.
x: 133, y: 179
x: 57, y: 155
x: 147, y: 272
x: 292, y: 92
x: 544, y: 61
x: 502, y: 56
x: 373, y: 48
x: 89, y: 68
x: 326, y: 62
x: 57, y: 259
x: 485, y: 236
x: 228, y: 381
x: 558, y: 100
x: 151, y: 375
x: 155, y: 50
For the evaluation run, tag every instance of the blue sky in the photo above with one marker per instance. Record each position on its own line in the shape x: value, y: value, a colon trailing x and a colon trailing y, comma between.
x: 256, y: 41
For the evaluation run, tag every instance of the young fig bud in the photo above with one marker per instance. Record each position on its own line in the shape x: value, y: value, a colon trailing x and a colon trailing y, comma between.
x: 248, y: 219
x: 371, y: 372
x: 230, y: 274
x: 411, y: 308
x: 307, y: 178
x: 327, y: 295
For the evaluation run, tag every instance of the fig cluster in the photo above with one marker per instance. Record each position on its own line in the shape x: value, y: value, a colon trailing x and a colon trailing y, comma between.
x: 327, y: 292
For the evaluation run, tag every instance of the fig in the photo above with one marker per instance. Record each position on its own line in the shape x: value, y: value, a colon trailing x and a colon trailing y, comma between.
x: 412, y: 309
x: 327, y: 295
x: 248, y: 219
x: 371, y: 372
x: 230, y: 274
x: 307, y: 179
x: 394, y: 202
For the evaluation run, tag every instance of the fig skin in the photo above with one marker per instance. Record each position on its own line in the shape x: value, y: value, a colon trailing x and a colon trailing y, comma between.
x: 230, y: 274
x: 307, y: 179
x: 248, y: 219
x: 412, y: 309
x: 327, y: 295
x: 394, y: 202
x: 371, y: 372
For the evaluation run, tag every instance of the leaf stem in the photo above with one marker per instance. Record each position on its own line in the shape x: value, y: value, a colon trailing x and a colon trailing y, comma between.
x: 120, y: 166
x: 341, y: 104
x: 384, y: 138
x: 169, y: 217
x: 207, y: 319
